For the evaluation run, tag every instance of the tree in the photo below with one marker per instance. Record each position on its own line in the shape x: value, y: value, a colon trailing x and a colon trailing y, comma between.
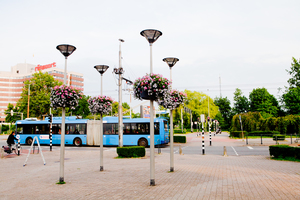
x: 291, y: 97
x: 225, y: 110
x: 265, y: 103
x: 40, y: 88
x: 198, y: 103
x: 11, y: 118
x: 295, y: 73
x: 241, y: 103
x: 83, y: 107
x: 291, y: 101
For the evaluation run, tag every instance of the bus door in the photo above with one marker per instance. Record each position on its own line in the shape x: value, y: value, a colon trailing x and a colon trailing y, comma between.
x: 110, y: 134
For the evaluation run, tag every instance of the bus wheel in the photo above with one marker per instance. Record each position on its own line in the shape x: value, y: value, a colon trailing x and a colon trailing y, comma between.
x: 143, y: 142
x: 77, y: 142
x: 29, y: 141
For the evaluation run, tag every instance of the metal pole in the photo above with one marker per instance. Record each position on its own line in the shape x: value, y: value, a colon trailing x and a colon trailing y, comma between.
x: 101, y: 143
x: 101, y: 85
x: 152, y: 159
x: 209, y: 134
x: 63, y: 131
x: 65, y: 72
x: 171, y: 143
x: 203, y: 145
x: 62, y: 147
x: 181, y: 121
x: 261, y: 142
x: 120, y: 118
x: 191, y: 121
x: 50, y: 134
x: 28, y: 100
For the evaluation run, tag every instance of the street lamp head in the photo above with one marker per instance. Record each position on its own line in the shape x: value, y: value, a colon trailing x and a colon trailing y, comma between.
x: 101, y: 68
x: 66, y: 49
x: 171, y: 61
x: 151, y: 35
x: 121, y: 40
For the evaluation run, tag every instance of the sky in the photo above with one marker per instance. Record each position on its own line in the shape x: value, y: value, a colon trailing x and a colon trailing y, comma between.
x: 221, y: 45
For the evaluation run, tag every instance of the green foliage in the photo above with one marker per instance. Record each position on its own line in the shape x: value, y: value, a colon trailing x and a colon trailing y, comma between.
x: 129, y: 152
x: 284, y: 151
x: 253, y: 121
x: 83, y: 107
x: 262, y: 101
x: 40, y: 88
x: 278, y: 137
x: 295, y: 73
x: 291, y: 100
x: 12, y: 118
x: 237, y: 134
x: 179, y: 131
x: 263, y: 133
x: 241, y: 103
x: 225, y: 110
x: 180, y: 139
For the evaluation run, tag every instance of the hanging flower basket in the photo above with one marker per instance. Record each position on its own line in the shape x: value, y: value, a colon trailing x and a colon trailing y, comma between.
x: 173, y: 99
x: 100, y: 104
x: 64, y: 96
x: 151, y: 87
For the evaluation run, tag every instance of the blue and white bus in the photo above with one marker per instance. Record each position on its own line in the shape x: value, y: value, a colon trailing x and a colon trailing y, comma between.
x: 87, y: 132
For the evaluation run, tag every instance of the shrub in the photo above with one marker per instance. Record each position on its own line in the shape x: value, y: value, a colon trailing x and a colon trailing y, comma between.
x: 278, y: 137
x: 129, y: 152
x: 264, y: 133
x: 237, y: 134
x: 180, y: 139
x: 284, y: 151
x: 179, y: 131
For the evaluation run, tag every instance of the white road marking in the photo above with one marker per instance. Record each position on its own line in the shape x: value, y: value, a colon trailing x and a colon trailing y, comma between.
x: 234, y: 151
x: 177, y: 151
x: 249, y: 147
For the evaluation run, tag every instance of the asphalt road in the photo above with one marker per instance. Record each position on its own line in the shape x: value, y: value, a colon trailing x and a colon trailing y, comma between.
x: 193, y: 146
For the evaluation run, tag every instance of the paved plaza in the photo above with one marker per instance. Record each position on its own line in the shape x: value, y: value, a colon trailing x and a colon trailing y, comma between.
x: 196, y: 176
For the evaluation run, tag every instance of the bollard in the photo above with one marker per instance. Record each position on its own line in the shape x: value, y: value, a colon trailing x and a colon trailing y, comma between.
x: 291, y: 139
x: 261, y: 139
x: 180, y: 150
x: 225, y: 151
x: 159, y: 150
x: 18, y: 147
x: 2, y: 153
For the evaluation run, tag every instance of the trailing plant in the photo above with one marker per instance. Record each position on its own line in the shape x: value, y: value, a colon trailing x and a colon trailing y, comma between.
x: 100, y: 104
x: 172, y: 99
x: 64, y: 96
x: 154, y: 84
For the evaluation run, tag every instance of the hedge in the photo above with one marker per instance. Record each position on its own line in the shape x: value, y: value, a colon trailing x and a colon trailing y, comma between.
x: 129, y: 152
x: 278, y: 137
x: 266, y: 133
x: 179, y: 131
x: 254, y: 121
x: 180, y: 139
x: 237, y: 134
x: 284, y: 151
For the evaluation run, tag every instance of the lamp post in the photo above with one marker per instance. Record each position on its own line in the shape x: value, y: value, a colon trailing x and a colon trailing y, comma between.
x: 120, y: 114
x: 101, y: 69
x: 151, y: 36
x: 171, y: 62
x: 66, y: 50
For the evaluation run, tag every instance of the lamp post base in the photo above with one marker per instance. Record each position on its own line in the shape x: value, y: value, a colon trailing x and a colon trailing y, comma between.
x: 101, y: 168
x: 171, y: 169
x: 152, y: 182
x: 61, y: 179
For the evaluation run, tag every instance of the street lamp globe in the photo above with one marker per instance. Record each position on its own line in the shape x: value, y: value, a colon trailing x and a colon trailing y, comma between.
x: 66, y: 49
x: 171, y: 61
x: 101, y: 68
x: 151, y: 35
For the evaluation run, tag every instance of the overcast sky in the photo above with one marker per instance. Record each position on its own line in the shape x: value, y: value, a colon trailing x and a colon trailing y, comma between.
x: 249, y: 44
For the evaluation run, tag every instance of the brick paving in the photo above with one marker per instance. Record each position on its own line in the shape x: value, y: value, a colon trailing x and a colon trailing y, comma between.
x: 195, y: 177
